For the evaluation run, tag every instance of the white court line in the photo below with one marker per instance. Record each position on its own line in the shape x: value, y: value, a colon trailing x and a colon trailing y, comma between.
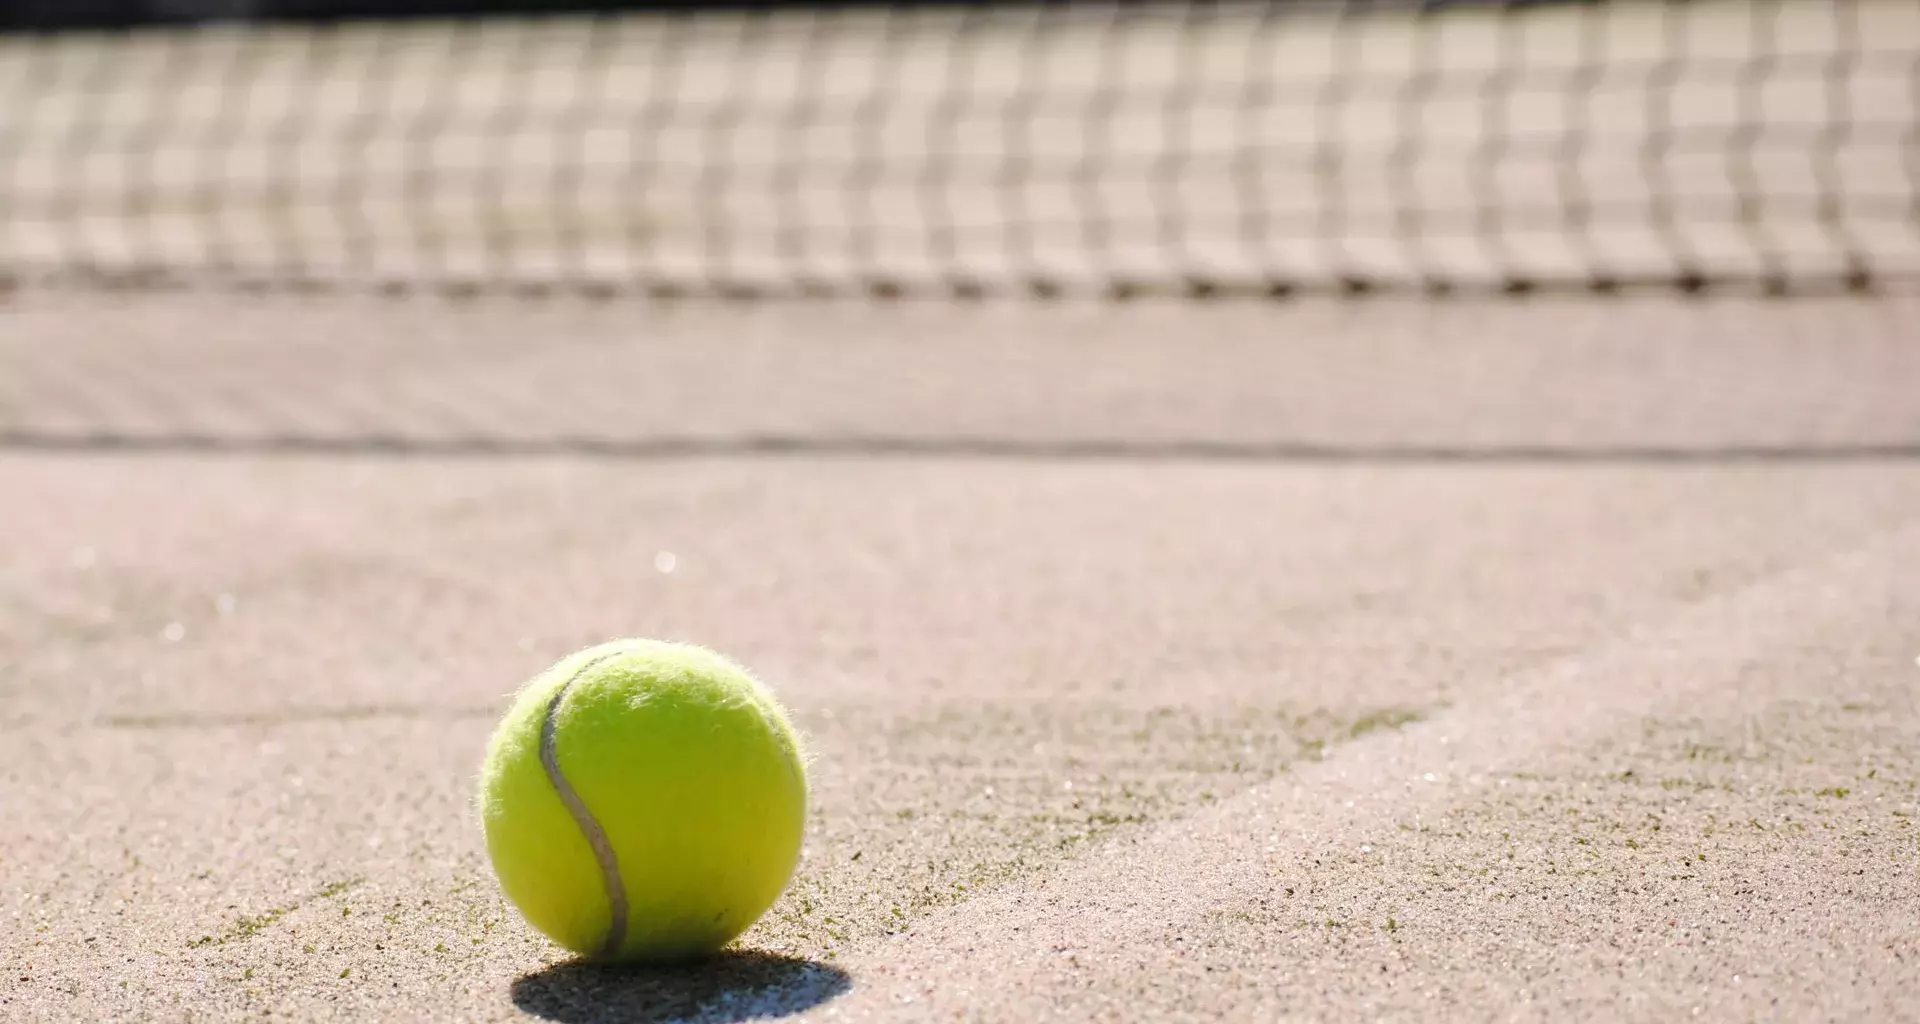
x: 1115, y: 905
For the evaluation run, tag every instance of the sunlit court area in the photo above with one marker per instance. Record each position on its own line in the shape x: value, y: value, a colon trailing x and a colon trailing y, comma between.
x: 721, y: 512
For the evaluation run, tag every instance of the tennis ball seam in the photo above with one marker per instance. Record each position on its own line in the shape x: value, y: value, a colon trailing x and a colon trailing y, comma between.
x: 583, y: 818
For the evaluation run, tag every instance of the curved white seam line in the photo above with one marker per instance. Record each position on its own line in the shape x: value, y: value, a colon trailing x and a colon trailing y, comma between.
x: 589, y: 826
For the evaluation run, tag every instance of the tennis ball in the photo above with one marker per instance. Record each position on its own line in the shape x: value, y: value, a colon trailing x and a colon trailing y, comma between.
x: 643, y: 801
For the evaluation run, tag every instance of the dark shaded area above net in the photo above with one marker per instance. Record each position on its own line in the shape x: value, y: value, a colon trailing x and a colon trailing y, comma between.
x: 957, y: 149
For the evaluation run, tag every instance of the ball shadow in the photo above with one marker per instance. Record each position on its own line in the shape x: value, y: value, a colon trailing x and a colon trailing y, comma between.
x: 736, y: 985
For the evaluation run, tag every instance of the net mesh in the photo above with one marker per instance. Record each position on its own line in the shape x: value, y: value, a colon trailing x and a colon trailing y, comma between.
x: 979, y: 149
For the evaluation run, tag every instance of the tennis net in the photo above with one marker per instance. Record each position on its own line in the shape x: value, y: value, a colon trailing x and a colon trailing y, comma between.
x: 979, y: 149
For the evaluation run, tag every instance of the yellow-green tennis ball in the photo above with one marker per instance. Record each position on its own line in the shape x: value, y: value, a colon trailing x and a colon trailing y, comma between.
x: 644, y: 801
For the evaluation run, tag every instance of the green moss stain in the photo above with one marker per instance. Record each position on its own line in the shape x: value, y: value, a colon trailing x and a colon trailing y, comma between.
x: 247, y: 926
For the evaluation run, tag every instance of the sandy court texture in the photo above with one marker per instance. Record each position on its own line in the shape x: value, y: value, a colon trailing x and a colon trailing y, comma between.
x: 1247, y: 662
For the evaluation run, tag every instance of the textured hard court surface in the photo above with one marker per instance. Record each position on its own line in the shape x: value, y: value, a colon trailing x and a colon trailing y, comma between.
x: 1228, y: 662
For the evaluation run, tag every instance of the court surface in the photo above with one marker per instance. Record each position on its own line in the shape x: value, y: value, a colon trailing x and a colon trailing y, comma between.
x: 1441, y: 661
